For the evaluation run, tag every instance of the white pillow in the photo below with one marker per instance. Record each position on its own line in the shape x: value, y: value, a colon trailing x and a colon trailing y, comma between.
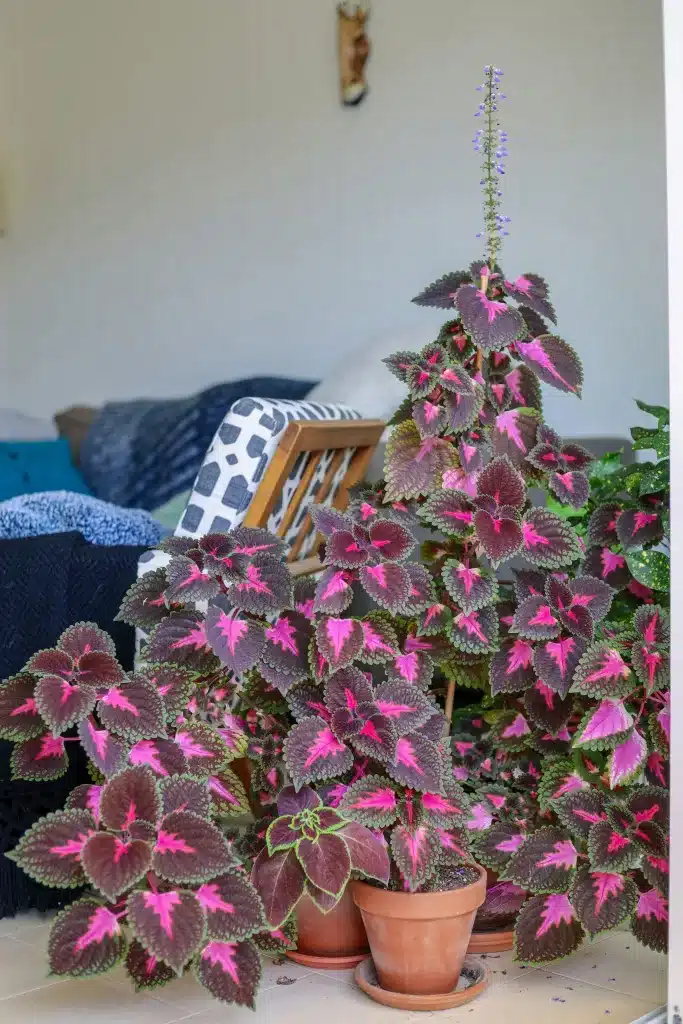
x: 17, y: 426
x: 361, y: 379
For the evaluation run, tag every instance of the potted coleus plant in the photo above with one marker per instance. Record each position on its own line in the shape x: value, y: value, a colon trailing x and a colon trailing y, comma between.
x: 164, y: 889
x: 500, y: 787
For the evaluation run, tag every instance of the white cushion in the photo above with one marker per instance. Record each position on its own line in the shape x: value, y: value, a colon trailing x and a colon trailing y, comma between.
x: 361, y: 379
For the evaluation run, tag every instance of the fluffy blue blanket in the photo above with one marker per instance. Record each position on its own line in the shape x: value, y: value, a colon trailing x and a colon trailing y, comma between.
x: 32, y: 515
x: 141, y: 454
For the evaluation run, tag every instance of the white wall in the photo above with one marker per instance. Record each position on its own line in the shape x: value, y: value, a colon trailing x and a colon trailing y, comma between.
x: 189, y: 203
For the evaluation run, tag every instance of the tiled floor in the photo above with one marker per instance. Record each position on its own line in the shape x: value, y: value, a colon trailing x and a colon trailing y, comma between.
x: 613, y: 979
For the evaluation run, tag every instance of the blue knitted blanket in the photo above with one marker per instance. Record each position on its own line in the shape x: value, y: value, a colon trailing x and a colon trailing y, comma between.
x: 141, y: 454
x: 99, y: 522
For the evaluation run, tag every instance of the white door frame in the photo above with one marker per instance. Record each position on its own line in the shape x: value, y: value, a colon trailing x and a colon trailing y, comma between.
x: 673, y: 60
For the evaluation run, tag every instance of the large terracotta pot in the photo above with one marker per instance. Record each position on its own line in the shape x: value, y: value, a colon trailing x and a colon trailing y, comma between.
x: 418, y: 941
x: 331, y: 941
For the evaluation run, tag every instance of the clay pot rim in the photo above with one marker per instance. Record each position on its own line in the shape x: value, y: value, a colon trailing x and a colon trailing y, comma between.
x: 420, y: 905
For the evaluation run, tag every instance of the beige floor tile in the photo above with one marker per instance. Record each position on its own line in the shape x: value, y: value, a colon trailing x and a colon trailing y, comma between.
x: 187, y: 993
x: 543, y: 998
x: 96, y: 1001
x: 618, y: 962
x: 502, y: 967
x: 22, y: 967
x: 318, y: 999
x: 29, y: 923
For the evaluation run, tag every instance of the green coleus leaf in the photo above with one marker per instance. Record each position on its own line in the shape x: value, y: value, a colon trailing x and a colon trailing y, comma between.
x: 645, y: 439
x: 660, y: 411
x: 651, y: 568
x: 655, y: 477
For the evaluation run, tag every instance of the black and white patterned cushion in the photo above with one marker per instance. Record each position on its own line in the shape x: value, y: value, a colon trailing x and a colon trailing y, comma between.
x: 234, y: 466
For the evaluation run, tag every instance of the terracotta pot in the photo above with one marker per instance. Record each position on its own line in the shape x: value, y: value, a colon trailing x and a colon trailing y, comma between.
x: 331, y: 941
x: 418, y: 941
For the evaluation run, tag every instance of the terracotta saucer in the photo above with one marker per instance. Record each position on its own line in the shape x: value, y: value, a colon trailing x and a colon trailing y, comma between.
x: 491, y: 942
x: 473, y: 981
x: 327, y: 963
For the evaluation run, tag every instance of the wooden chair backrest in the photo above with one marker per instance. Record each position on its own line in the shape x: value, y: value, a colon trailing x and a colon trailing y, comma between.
x: 315, y: 438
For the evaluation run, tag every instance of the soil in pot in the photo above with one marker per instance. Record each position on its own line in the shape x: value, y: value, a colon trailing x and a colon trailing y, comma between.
x: 333, y: 941
x: 418, y: 941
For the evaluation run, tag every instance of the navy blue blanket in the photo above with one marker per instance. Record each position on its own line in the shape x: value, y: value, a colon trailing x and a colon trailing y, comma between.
x: 46, y: 584
x: 141, y: 454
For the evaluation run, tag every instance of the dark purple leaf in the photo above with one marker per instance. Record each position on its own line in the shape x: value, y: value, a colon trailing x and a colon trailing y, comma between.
x: 187, y: 582
x: 602, y: 525
x: 545, y: 863
x: 227, y: 793
x: 230, y: 971
x: 469, y: 586
x: 547, y: 540
x: 610, y: 850
x: 413, y: 465
x: 546, y: 709
x: 422, y: 593
x: 255, y: 541
x: 417, y: 764
x: 553, y: 361
x: 204, y: 748
x: 416, y: 852
x: 476, y: 633
x: 514, y: 434
x: 404, y: 705
x: 579, y: 810
x: 571, y: 488
x: 184, y: 793
x: 144, y: 604
x: 130, y: 796
x: 173, y: 684
x: 287, y: 642
x: 312, y: 752
x: 608, y: 566
x: 379, y: 641
x: 555, y: 662
x: 491, y: 323
x: 170, y: 925
x: 50, y: 851
x: 86, y: 938
x: 232, y: 906
x: 367, y: 850
x: 238, y: 642
x: 524, y: 388
x: 449, y: 511
x: 371, y: 801
x: 164, y: 757
x: 532, y: 291
x: 279, y: 880
x: 133, y: 709
x: 328, y: 520
x: 106, y: 751
x: 181, y: 639
x: 112, y: 864
x: 145, y: 970
x: 602, y: 672
x: 326, y: 862
x: 267, y: 588
x: 546, y: 929
x: 339, y: 640
x: 429, y: 418
x: 189, y: 850
x: 442, y: 292
x: 346, y: 689
x: 502, y: 482
x: 512, y: 667
x: 650, y: 922
x: 496, y: 846
x: 535, y: 619
x: 602, y: 901
x: 462, y: 409
x: 19, y: 718
x: 334, y: 591
x: 637, y: 527
x: 39, y: 760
